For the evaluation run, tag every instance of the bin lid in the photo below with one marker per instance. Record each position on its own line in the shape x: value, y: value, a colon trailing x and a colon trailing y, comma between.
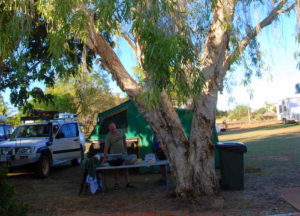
x: 232, y: 146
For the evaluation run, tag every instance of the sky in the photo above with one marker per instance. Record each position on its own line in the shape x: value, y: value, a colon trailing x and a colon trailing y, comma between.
x: 278, y: 45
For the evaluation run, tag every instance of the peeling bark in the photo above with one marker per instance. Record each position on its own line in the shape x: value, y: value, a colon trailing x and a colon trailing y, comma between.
x: 201, y: 145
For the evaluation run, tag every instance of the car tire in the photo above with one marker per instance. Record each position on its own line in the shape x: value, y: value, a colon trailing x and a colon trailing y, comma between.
x: 43, y: 166
x: 78, y: 161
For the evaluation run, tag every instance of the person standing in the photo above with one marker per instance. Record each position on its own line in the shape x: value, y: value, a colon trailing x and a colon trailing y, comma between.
x: 116, y: 142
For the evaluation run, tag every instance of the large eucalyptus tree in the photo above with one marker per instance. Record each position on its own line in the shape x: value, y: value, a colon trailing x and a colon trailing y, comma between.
x: 184, y: 49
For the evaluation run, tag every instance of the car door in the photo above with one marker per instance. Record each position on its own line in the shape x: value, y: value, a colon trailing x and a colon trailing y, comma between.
x: 61, y: 143
x: 2, y: 133
x: 74, y: 148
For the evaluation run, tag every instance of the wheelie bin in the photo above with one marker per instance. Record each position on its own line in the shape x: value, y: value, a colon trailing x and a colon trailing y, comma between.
x: 232, y: 164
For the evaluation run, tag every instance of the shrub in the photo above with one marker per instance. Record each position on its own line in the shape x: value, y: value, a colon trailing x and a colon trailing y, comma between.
x: 9, y: 206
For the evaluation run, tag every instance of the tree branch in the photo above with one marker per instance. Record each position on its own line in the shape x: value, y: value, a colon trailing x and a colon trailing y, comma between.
x: 287, y: 9
x: 216, y: 45
x: 110, y: 61
x: 129, y: 41
x: 257, y: 29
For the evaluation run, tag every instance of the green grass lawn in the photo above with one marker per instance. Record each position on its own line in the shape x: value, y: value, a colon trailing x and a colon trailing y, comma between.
x: 271, y: 146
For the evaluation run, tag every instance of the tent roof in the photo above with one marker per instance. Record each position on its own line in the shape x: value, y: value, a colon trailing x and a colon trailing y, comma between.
x: 124, y: 106
x: 115, y: 110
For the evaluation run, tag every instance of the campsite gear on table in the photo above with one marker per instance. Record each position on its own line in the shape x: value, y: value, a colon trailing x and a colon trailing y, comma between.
x: 139, y: 161
x: 116, y: 162
x: 102, y: 170
x: 131, y: 159
x: 116, y: 159
x: 150, y: 158
x: 232, y: 164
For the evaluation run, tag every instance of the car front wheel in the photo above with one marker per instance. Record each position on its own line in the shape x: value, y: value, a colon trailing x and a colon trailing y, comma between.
x: 42, y: 168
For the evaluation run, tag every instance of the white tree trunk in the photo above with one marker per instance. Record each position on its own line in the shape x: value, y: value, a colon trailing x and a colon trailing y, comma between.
x: 201, y: 144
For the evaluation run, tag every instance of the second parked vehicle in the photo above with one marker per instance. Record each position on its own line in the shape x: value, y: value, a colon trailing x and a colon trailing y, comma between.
x: 5, y: 129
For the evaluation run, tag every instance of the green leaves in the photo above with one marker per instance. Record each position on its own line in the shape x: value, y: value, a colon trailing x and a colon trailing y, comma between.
x: 9, y: 205
x: 170, y: 61
x: 169, y: 58
x: 13, y: 24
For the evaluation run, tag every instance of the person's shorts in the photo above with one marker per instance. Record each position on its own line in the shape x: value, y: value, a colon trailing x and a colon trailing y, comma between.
x: 160, y: 155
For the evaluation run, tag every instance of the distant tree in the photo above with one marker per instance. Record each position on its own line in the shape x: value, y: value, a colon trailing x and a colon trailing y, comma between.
x: 25, y: 58
x: 266, y: 112
x: 15, y: 119
x: 3, y: 106
x: 270, y: 107
x: 221, y: 114
x: 240, y: 112
x: 62, y: 99
x: 86, y: 94
x: 259, y: 114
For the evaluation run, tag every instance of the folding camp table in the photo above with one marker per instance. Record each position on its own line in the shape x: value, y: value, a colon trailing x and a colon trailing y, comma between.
x: 101, y: 170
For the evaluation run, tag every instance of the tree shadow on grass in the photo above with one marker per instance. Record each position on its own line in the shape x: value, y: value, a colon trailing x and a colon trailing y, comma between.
x: 270, y: 127
x: 28, y: 173
x: 274, y: 150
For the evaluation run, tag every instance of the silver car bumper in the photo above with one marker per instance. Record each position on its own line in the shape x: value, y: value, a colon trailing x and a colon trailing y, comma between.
x: 19, y: 160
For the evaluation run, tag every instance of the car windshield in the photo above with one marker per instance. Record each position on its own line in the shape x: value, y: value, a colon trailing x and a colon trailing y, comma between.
x: 24, y: 131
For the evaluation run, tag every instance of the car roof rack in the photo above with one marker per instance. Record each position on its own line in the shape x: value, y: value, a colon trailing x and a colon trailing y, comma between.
x: 51, y: 116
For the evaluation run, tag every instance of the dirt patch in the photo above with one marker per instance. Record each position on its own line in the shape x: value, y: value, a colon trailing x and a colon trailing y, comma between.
x: 58, y: 195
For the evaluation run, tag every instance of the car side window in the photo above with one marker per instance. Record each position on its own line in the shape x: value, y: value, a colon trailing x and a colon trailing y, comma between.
x: 68, y: 130
x: 73, y: 130
x: 9, y: 129
x: 2, y: 133
x: 63, y: 132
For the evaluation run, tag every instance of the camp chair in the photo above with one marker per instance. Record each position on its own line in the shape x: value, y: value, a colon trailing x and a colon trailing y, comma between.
x: 90, y: 169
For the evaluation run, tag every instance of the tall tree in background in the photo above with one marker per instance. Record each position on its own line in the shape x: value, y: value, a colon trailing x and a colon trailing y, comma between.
x: 3, y: 106
x: 86, y: 94
x: 183, y: 48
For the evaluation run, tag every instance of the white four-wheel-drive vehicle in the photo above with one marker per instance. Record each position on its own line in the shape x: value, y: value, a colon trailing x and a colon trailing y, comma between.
x: 39, y: 146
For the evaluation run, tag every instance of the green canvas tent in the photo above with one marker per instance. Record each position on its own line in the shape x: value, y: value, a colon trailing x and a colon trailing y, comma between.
x: 127, y: 117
